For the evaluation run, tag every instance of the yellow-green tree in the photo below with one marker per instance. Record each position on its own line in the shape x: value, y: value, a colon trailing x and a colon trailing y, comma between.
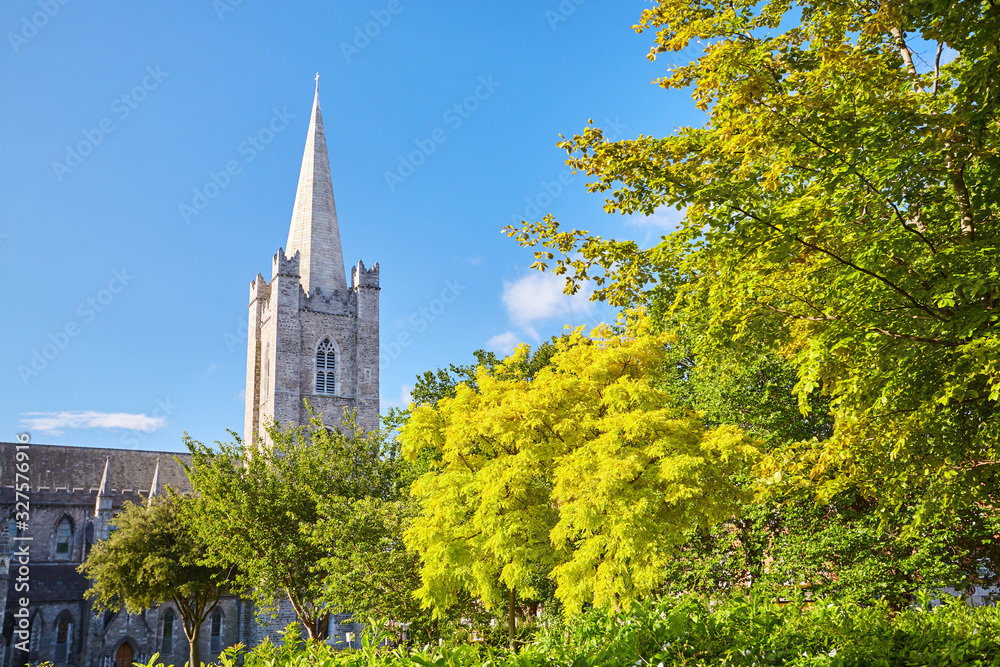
x: 842, y: 193
x: 587, y: 470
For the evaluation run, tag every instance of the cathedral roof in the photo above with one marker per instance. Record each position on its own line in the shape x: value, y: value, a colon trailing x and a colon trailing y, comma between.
x: 55, y: 467
x: 314, y: 231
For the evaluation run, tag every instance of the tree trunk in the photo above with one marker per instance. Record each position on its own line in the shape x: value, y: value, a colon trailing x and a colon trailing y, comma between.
x: 191, y: 620
x: 194, y: 659
x: 305, y: 618
x: 323, y: 629
x: 510, y: 618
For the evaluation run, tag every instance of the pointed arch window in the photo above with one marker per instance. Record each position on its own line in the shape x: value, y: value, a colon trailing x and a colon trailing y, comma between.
x: 167, y: 642
x: 7, y: 543
x: 64, y: 636
x: 326, y: 368
x: 216, y: 645
x: 64, y: 538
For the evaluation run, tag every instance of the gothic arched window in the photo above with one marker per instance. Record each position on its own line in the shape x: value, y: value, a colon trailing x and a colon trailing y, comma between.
x: 326, y: 368
x: 64, y: 538
x: 216, y: 645
x: 64, y: 636
x: 7, y: 534
x: 167, y: 645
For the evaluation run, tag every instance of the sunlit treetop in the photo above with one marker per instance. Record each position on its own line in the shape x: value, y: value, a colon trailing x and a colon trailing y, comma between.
x: 843, y: 194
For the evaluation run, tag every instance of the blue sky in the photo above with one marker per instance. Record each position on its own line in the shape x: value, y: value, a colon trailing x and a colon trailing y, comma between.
x: 131, y: 315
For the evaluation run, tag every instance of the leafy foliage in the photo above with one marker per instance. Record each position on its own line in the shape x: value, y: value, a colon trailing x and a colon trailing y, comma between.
x: 843, y: 195
x: 155, y: 556
x: 314, y: 517
x: 587, y: 471
x: 850, y: 544
x: 746, y: 631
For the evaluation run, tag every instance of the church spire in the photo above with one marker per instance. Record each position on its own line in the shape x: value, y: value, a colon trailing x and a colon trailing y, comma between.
x: 314, y: 232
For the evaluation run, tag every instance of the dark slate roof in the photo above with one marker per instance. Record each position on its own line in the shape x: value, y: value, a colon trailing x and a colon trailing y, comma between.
x: 52, y: 582
x: 55, y: 467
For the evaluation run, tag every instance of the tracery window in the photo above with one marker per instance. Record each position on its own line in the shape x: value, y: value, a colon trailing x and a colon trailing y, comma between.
x: 326, y: 368
x: 64, y: 634
x: 64, y: 538
x: 167, y: 643
x: 216, y: 631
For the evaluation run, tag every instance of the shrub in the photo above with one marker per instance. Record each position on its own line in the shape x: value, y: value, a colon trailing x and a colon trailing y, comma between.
x: 746, y: 631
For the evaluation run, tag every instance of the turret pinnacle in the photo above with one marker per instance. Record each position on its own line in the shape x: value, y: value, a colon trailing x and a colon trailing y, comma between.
x: 154, y: 487
x: 314, y: 232
x: 102, y: 489
x: 103, y: 506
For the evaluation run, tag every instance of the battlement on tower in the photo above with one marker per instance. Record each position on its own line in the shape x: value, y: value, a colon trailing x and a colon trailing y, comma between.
x: 362, y: 277
x: 281, y: 265
x: 337, y: 302
x: 259, y: 289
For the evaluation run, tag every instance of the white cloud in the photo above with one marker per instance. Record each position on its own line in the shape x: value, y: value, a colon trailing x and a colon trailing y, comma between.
x: 503, y: 343
x: 404, y: 399
x: 539, y: 296
x: 54, y: 423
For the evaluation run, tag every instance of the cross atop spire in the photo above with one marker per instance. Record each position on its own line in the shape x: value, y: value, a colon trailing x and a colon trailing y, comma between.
x: 314, y: 231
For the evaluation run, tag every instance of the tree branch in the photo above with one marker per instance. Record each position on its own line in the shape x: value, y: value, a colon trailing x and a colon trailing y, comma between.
x: 907, y: 58
x: 937, y: 68
x: 918, y: 339
x: 906, y: 295
x: 956, y: 171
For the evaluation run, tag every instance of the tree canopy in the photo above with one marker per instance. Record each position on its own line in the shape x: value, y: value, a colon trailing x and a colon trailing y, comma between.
x: 154, y: 556
x: 586, y: 469
x: 313, y: 517
x: 843, y: 195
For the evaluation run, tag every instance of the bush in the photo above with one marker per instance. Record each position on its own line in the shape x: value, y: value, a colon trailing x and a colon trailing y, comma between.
x: 744, y: 631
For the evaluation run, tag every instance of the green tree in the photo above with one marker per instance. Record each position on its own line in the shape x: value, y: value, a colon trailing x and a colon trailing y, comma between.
x: 848, y: 545
x: 843, y: 195
x: 848, y: 548
x: 586, y: 469
x: 154, y: 556
x: 313, y: 517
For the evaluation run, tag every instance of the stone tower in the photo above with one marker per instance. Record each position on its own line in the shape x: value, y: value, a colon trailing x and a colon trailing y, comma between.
x: 311, y: 335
